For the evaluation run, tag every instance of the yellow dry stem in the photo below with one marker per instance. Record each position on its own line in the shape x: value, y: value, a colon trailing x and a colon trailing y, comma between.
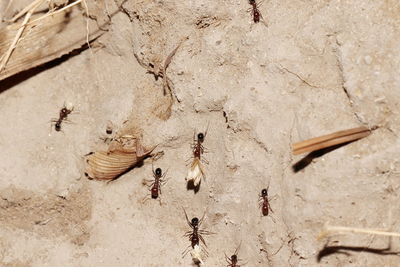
x: 332, y: 230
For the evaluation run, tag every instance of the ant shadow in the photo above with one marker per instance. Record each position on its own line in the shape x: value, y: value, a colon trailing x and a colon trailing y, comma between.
x: 190, y: 186
x: 304, y: 162
x: 328, y: 250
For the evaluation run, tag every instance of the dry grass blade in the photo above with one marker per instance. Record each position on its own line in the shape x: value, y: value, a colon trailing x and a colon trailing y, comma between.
x: 329, y: 140
x: 331, y: 230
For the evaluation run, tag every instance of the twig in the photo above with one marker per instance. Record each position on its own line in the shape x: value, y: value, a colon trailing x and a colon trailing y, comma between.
x: 163, y: 72
x: 57, y: 11
x: 330, y: 230
x: 299, y: 77
x: 166, y: 64
x: 330, y: 140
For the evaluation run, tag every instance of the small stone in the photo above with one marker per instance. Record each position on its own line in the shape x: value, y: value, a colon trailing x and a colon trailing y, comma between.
x: 368, y: 60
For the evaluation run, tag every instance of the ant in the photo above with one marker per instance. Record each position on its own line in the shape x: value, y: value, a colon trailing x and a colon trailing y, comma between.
x: 64, y: 112
x: 156, y: 184
x: 233, y: 260
x: 197, y: 146
x: 256, y: 12
x: 264, y: 202
x: 195, y: 236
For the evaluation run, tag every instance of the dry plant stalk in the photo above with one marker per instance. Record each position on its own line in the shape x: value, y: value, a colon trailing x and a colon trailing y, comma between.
x: 331, y: 230
x: 123, y: 154
x: 329, y: 140
x: 167, y: 62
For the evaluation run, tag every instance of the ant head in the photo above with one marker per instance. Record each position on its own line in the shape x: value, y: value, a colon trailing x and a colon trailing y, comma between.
x: 252, y: 1
x: 158, y: 171
x: 195, y: 221
x: 264, y: 192
x: 58, y: 126
x: 200, y: 137
x: 234, y: 258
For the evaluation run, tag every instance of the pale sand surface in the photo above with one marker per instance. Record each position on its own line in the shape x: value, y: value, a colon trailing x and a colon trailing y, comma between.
x: 318, y: 67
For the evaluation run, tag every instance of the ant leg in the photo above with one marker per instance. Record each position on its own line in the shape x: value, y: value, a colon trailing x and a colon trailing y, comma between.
x: 205, y: 252
x: 187, y: 219
x: 205, y: 161
x: 164, y: 173
x: 149, y: 181
x: 227, y: 259
x: 237, y: 249
x: 269, y: 206
x: 202, y: 240
x: 162, y: 183
x: 205, y: 232
x: 262, y: 19
x: 67, y: 121
x: 189, y: 159
x: 208, y: 125
x: 189, y: 162
x: 273, y: 198
x: 145, y: 199
x: 188, y: 234
x: 186, y: 251
x: 202, y: 218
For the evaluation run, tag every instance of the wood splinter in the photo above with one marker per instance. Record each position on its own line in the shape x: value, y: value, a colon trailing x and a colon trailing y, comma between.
x: 329, y: 230
x: 329, y: 140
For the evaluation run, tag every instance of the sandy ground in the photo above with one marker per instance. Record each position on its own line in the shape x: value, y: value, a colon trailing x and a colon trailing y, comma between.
x: 316, y: 67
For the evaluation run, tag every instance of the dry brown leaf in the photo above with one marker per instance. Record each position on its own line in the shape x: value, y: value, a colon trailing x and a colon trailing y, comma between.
x: 123, y: 154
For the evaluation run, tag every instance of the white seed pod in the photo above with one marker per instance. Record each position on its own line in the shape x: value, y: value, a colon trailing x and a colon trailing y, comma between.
x: 120, y: 157
x: 195, y: 172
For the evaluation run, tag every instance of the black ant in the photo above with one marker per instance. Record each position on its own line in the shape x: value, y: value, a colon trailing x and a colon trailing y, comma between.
x: 233, y: 260
x: 156, y: 184
x: 264, y: 202
x: 64, y: 112
x: 195, y: 236
x: 256, y: 12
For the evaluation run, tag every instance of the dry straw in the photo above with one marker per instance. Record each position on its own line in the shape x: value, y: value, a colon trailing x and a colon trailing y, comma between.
x: 329, y: 140
x: 28, y: 12
x: 333, y: 230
